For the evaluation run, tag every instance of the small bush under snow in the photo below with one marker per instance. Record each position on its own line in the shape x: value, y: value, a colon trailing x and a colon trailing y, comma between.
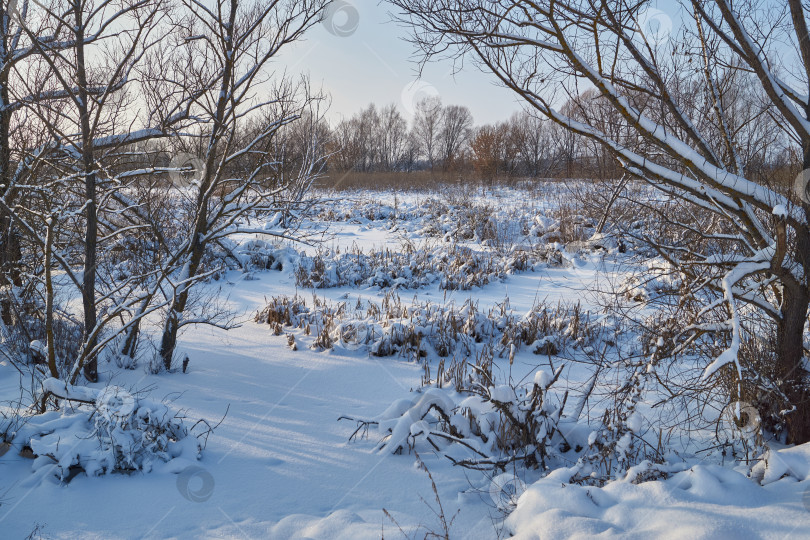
x: 105, y: 431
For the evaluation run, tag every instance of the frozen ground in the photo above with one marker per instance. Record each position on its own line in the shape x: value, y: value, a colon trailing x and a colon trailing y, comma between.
x: 280, y: 465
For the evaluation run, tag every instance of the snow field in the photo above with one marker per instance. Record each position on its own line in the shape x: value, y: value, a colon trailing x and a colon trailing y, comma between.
x: 281, y: 465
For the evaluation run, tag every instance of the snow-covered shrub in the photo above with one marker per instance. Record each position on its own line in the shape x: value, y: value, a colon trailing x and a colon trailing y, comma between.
x: 792, y: 462
x: 256, y: 254
x: 693, y: 327
x: 123, y: 361
x: 570, y: 226
x: 616, y: 447
x: 658, y: 278
x: 283, y: 311
x: 11, y: 420
x: 498, y: 219
x: 467, y: 242
x: 428, y: 329
x: 453, y: 266
x: 24, y: 341
x: 483, y: 428
x: 102, y: 431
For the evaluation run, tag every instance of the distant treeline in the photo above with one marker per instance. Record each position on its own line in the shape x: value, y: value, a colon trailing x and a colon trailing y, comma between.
x: 445, y: 140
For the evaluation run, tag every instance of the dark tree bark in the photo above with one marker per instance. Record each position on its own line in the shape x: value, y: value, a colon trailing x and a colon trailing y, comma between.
x: 90, y: 210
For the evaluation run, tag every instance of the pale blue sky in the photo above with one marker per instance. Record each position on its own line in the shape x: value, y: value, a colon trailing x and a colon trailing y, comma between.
x: 374, y: 64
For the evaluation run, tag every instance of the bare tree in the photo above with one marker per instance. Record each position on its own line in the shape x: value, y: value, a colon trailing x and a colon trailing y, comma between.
x: 454, y: 132
x: 591, y: 108
x: 12, y: 52
x: 411, y: 151
x: 533, y: 143
x: 392, y: 136
x: 427, y: 126
x: 20, y: 34
x: 567, y: 144
x: 78, y: 91
x: 228, y: 47
x: 494, y: 150
x: 346, y: 148
x: 759, y: 254
x: 366, y: 124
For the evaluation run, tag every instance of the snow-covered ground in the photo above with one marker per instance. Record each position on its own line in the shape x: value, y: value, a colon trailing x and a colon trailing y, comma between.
x: 281, y: 465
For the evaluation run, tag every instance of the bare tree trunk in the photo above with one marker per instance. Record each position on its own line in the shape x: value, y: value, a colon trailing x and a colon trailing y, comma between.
x: 130, y: 346
x: 10, y: 253
x: 91, y: 230
x: 790, y: 333
x: 10, y: 256
x: 168, y: 341
x: 49, y: 298
x: 790, y: 355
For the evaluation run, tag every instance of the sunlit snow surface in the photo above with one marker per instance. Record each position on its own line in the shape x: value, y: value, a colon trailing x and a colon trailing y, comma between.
x: 280, y: 465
